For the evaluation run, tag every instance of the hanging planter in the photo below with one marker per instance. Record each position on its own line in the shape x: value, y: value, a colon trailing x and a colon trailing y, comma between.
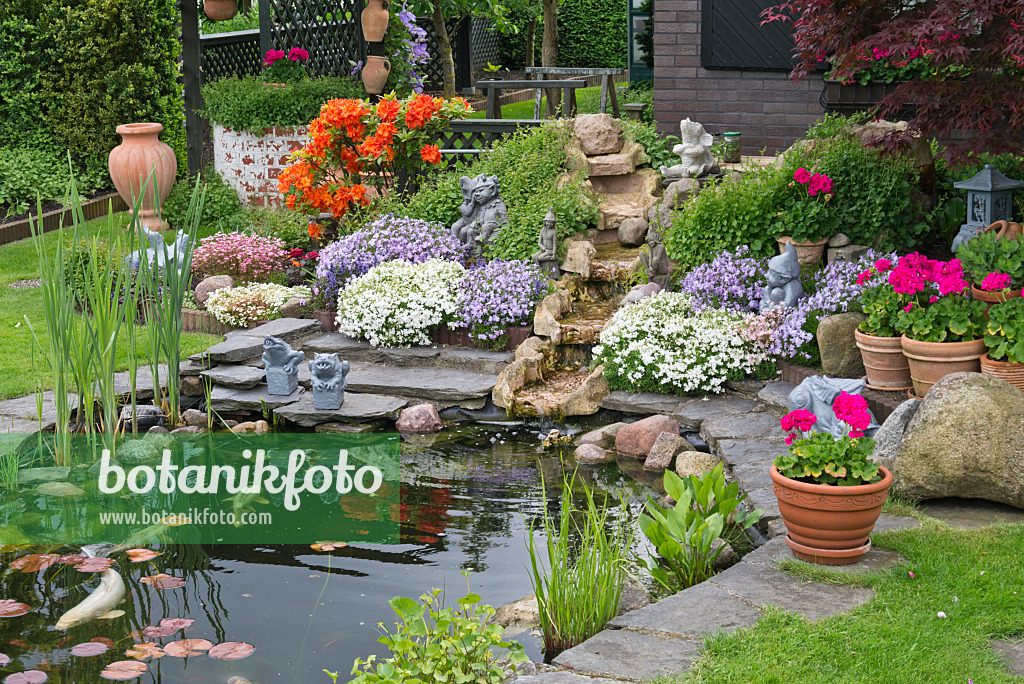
x: 140, y: 155
x: 220, y: 10
x: 374, y: 20
x: 375, y: 74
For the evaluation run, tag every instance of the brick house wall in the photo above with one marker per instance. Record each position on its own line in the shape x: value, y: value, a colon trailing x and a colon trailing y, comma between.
x: 251, y: 163
x: 767, y: 107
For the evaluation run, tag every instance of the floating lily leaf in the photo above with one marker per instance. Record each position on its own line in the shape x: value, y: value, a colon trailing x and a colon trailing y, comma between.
x: 11, y: 608
x: 72, y: 559
x: 146, y: 650
x: 328, y: 545
x: 167, y: 627
x: 89, y: 648
x: 103, y: 640
x: 163, y: 581
x: 4, y: 659
x: 35, y: 562
x: 27, y: 677
x: 141, y: 555
x: 232, y: 650
x: 124, y: 669
x: 94, y: 564
x: 187, y: 647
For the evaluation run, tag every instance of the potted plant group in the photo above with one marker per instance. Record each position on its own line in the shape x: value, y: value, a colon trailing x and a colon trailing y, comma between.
x: 1004, y: 339
x: 806, y: 219
x: 943, y: 327
x: 877, y: 337
x: 994, y: 264
x: 830, y: 493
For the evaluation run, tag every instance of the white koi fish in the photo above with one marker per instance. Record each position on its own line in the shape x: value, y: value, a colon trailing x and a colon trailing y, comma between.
x: 99, y: 605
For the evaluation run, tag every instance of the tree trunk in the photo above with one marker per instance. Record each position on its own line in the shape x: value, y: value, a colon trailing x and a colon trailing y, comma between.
x: 444, y: 47
x: 549, y: 49
x: 531, y: 40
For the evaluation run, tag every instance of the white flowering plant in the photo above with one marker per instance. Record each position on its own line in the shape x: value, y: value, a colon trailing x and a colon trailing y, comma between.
x: 243, y: 306
x: 661, y: 344
x: 397, y: 303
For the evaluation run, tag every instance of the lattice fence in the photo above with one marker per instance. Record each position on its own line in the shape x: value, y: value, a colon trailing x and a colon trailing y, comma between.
x: 329, y: 29
x: 230, y: 54
x: 486, y: 42
x: 467, y: 139
x: 433, y: 72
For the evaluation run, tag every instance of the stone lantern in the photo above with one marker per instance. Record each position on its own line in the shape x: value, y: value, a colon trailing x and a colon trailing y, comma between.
x: 989, y: 199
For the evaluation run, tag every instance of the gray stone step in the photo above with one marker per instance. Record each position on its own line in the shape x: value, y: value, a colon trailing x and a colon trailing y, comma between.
x: 635, y: 656
x: 357, y: 408
x: 245, y: 345
x: 226, y: 400
x: 456, y: 358
x: 695, y: 413
x: 775, y: 395
x: 646, y: 403
x: 431, y: 384
x: 22, y: 410
x: 742, y: 426
x: 699, y: 610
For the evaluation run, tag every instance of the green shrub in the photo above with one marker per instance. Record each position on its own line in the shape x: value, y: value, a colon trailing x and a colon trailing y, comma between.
x: 26, y: 173
x: 221, y: 208
x: 591, y: 33
x: 283, y: 223
x: 24, y: 122
x: 657, y: 146
x: 246, y: 104
x: 529, y: 165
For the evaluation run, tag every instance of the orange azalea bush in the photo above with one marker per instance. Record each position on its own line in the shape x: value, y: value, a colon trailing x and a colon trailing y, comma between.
x: 354, y: 145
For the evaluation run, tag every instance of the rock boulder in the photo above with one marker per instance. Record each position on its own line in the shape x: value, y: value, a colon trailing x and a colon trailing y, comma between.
x: 636, y: 439
x: 208, y: 286
x: 840, y: 356
x: 664, y: 451
x: 632, y: 232
x: 598, y: 133
x: 420, y: 418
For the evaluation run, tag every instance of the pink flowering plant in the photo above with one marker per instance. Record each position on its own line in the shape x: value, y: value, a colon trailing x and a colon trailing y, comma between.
x: 993, y: 264
x: 806, y: 212
x: 1004, y: 334
x: 879, y: 300
x: 282, y: 67
x: 819, y: 457
x: 246, y: 258
x: 939, y: 306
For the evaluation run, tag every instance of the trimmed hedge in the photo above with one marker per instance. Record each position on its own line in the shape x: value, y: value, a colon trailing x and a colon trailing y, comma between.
x: 591, y: 33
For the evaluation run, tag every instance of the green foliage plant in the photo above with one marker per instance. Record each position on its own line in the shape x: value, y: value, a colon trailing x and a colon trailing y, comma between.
x: 222, y: 209
x: 437, y: 644
x: 27, y: 173
x: 658, y: 147
x: 706, y: 510
x: 1004, y: 335
x: 985, y: 253
x: 8, y: 466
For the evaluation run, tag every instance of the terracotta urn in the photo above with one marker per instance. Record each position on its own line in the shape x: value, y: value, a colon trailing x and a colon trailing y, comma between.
x: 375, y: 20
x: 132, y: 163
x: 807, y: 252
x: 991, y: 298
x: 375, y: 74
x: 1009, y: 371
x: 932, y: 361
x: 886, y: 366
x: 829, y: 524
x: 220, y: 10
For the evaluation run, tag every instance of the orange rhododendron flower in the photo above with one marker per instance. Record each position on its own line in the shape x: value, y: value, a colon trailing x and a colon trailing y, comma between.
x: 430, y: 154
x: 387, y: 110
x: 315, y: 230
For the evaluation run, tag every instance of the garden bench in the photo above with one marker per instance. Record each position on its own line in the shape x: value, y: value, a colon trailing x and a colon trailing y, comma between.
x: 607, y: 86
x: 493, y: 91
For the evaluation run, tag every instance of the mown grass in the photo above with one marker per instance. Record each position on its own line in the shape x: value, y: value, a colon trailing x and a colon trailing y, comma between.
x: 22, y: 367
x: 587, y: 101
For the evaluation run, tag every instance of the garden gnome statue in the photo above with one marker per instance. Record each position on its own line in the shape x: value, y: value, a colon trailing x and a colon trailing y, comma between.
x: 327, y: 374
x: 282, y: 365
x: 695, y: 158
x: 656, y: 263
x: 816, y: 394
x: 483, y: 213
x: 547, y: 258
x: 783, y: 288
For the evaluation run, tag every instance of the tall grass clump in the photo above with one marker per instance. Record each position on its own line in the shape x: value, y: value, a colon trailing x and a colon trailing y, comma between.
x: 8, y: 466
x: 578, y: 575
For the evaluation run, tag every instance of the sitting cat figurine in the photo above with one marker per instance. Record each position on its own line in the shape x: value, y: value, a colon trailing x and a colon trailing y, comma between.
x: 327, y: 374
x: 282, y: 365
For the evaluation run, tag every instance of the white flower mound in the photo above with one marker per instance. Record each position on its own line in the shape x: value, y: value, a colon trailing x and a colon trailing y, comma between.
x: 243, y: 306
x: 660, y: 344
x: 396, y: 303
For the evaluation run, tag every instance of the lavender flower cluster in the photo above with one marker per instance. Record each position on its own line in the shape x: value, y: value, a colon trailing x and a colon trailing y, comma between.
x: 387, y: 238
x: 415, y: 49
x: 497, y: 295
x: 732, y: 280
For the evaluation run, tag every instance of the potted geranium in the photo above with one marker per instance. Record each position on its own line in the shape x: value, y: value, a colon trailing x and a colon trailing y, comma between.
x: 1004, y: 338
x: 806, y: 218
x: 943, y: 327
x: 878, y: 337
x: 995, y: 266
x: 830, y: 493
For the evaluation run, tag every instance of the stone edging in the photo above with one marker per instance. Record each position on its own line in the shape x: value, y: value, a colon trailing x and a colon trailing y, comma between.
x: 52, y: 220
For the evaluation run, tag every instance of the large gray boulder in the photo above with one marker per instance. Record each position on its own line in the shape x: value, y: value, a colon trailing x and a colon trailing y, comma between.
x: 966, y: 440
x: 840, y: 356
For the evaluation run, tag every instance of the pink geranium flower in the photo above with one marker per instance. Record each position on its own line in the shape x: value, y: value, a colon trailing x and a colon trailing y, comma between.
x: 995, y: 282
x: 802, y: 175
x: 297, y: 53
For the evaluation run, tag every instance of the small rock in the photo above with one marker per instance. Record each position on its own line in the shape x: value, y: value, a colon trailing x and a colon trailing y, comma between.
x: 160, y: 440
x: 158, y: 430
x: 293, y: 308
x: 695, y: 463
x: 194, y: 418
x: 632, y: 232
x: 726, y: 558
x: 524, y: 612
x: 243, y: 428
x: 579, y: 257
x: 598, y: 133
x: 188, y: 430
x: 636, y: 439
x: 679, y: 192
x: 840, y: 356
x: 592, y: 453
x: 192, y: 386
x: 664, y: 451
x: 229, y: 424
x: 638, y: 292
x: 136, y: 451
x: 527, y: 668
x: 421, y: 418
x: 208, y: 286
x: 633, y: 596
x: 849, y: 253
x: 262, y: 427
x: 839, y: 240
x: 60, y: 489
x: 602, y: 437
x: 50, y: 474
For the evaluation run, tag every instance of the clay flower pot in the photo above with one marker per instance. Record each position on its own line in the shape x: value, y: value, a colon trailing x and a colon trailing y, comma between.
x: 887, y: 368
x: 375, y: 20
x: 806, y: 252
x: 991, y: 298
x: 829, y: 524
x: 220, y: 10
x: 1012, y: 373
x: 140, y: 154
x: 328, y: 320
x: 375, y: 74
x: 931, y: 361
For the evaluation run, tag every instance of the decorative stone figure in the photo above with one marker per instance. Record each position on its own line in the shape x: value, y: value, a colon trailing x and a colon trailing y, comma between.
x: 282, y: 365
x: 656, y: 263
x: 989, y: 199
x: 783, y: 288
x: 159, y: 252
x: 816, y: 394
x: 327, y: 375
x: 695, y: 158
x: 483, y: 213
x: 547, y: 258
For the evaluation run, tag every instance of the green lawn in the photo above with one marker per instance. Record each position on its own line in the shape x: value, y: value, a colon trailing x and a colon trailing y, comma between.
x: 587, y: 100
x: 22, y: 367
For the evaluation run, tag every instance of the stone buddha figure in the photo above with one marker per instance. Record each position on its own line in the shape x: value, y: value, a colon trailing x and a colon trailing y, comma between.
x: 656, y: 262
x: 783, y: 288
x: 483, y: 212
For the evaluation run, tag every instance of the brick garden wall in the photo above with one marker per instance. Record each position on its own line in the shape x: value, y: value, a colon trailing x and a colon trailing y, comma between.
x: 251, y: 163
x: 768, y: 108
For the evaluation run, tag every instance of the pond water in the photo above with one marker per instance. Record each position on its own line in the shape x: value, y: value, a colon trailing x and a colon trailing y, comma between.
x: 466, y: 503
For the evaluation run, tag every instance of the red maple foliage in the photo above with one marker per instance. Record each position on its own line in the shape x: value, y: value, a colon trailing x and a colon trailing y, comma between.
x: 975, y: 46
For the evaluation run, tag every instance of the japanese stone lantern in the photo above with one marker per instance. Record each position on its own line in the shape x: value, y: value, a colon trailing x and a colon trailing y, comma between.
x: 989, y: 199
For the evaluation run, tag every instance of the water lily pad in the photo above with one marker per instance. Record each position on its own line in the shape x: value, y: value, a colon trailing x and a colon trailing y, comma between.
x: 142, y: 555
x: 94, y: 564
x: 328, y: 545
x: 89, y: 648
x: 27, y: 677
x: 163, y: 581
x: 4, y: 659
x: 10, y: 608
x: 167, y: 627
x: 124, y: 669
x: 34, y: 562
x: 187, y: 647
x: 72, y: 559
x: 232, y: 650
x: 146, y: 650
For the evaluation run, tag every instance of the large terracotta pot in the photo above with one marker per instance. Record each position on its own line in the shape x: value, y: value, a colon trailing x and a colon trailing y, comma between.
x: 131, y: 163
x: 375, y: 74
x: 932, y: 361
x: 806, y: 252
x: 220, y: 10
x: 828, y: 524
x: 887, y: 368
x: 1012, y: 373
x: 375, y: 20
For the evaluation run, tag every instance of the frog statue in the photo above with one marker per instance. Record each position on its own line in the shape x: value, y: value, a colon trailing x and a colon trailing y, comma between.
x: 695, y: 158
x: 783, y: 288
x: 282, y: 365
x: 483, y: 213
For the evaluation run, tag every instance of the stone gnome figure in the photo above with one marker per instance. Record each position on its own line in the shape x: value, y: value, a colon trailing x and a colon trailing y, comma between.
x: 816, y: 394
x: 282, y: 365
x: 483, y: 212
x: 695, y: 158
x: 656, y: 263
x: 547, y: 258
x: 783, y: 288
x: 327, y: 376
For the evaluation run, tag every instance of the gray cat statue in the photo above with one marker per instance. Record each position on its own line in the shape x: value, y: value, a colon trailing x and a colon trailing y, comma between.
x: 282, y: 365
x: 328, y: 374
